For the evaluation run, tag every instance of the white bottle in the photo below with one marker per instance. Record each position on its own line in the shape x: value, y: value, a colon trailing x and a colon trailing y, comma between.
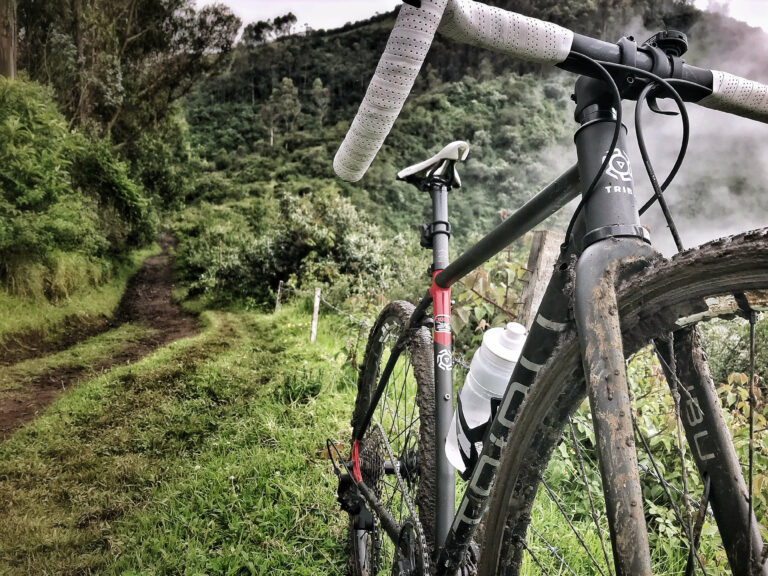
x: 486, y: 381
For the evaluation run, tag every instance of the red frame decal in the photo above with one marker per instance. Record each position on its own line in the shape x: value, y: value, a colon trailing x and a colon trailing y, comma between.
x: 441, y: 311
x: 357, y: 476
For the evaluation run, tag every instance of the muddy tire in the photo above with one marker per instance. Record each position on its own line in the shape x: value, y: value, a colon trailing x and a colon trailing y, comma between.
x: 406, y: 412
x: 660, y: 300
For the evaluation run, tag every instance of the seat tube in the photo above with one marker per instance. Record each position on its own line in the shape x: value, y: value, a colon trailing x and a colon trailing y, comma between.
x: 614, y: 239
x: 443, y: 356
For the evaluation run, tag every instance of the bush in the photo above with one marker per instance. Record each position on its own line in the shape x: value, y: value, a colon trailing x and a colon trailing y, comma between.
x: 310, y: 235
x: 161, y: 161
x: 66, y: 201
x: 98, y: 172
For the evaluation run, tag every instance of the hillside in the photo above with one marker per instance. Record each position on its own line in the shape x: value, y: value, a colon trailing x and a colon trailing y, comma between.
x: 159, y: 413
x: 271, y: 123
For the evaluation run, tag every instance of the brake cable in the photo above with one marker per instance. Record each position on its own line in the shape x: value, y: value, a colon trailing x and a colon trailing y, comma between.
x: 617, y: 101
x: 656, y: 82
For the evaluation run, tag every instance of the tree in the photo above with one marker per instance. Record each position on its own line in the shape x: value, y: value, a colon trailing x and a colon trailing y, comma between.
x: 321, y: 100
x: 283, y: 108
x: 283, y: 25
x: 121, y: 66
x: 256, y: 33
x: 8, y: 38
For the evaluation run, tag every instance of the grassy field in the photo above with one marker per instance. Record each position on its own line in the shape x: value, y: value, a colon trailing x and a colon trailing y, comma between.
x: 205, y: 457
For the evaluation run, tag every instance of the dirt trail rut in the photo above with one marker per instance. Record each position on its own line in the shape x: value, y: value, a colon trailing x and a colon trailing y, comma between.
x: 147, y: 301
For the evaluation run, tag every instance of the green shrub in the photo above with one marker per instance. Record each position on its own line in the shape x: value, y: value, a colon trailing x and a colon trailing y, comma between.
x: 66, y: 202
x: 97, y: 171
x: 161, y: 161
x: 310, y: 235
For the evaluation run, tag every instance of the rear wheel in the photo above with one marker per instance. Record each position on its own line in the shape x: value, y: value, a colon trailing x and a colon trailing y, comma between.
x: 403, y: 423
x: 559, y: 525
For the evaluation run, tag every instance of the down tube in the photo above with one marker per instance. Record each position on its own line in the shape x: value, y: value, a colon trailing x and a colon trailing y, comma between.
x: 446, y: 495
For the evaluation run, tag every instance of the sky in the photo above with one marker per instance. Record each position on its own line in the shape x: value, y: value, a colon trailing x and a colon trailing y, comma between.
x: 335, y: 13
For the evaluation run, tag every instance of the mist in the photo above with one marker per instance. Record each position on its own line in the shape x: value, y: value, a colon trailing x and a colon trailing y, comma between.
x: 721, y: 188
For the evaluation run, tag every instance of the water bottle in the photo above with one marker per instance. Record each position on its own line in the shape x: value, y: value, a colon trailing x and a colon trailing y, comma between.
x: 477, y: 400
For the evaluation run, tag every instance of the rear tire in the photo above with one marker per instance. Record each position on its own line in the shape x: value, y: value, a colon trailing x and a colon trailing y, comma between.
x: 406, y: 413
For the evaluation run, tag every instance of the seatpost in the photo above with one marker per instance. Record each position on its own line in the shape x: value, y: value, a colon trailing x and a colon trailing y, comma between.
x: 437, y: 236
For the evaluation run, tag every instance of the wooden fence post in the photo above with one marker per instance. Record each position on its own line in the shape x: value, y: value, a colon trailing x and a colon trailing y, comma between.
x: 545, y: 247
x: 313, y: 333
x: 279, y: 294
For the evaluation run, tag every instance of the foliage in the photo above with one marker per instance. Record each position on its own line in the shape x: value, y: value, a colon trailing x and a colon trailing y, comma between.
x: 305, y: 233
x: 66, y: 202
x: 126, y: 215
x: 487, y: 297
x: 121, y: 65
x: 161, y: 161
x: 262, y: 31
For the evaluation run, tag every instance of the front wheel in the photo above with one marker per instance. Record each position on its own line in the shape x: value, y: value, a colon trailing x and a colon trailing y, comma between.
x: 547, y: 513
x: 403, y: 427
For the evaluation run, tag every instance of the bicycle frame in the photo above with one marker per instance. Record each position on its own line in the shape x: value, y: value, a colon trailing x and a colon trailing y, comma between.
x: 609, y: 242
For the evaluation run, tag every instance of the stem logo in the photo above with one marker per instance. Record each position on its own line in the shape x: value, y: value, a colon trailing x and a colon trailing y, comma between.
x: 619, y: 167
x: 444, y: 360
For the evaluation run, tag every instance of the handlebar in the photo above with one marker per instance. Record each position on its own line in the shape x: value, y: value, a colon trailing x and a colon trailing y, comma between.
x: 527, y: 39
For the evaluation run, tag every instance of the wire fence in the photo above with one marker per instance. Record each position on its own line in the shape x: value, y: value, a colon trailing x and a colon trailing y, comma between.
x: 357, y: 334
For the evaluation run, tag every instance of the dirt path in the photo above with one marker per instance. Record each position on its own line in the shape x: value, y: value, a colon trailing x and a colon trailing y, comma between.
x: 147, y: 301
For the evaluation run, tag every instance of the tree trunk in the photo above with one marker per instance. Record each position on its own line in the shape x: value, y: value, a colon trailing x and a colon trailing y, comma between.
x: 8, y: 38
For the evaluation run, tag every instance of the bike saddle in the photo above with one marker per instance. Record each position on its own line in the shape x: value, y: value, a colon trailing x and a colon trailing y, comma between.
x: 441, y: 165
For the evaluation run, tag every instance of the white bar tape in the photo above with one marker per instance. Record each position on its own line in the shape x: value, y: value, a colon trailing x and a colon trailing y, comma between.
x: 519, y: 36
x: 738, y: 96
x: 392, y: 82
x: 465, y: 21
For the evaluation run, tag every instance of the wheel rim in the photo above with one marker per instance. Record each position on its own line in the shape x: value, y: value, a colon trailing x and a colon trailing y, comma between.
x: 397, y: 415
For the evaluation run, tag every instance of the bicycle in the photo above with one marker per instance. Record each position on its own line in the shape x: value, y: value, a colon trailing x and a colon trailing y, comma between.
x: 611, y: 294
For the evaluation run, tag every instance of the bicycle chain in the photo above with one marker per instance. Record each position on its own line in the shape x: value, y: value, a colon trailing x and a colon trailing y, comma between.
x: 413, y: 518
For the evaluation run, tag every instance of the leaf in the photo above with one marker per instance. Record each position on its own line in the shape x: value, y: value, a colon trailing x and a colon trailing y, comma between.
x: 737, y: 378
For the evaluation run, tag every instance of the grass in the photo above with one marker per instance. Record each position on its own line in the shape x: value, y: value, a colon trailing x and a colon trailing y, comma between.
x: 204, y: 458
x: 19, y: 315
x: 80, y: 356
x: 207, y: 457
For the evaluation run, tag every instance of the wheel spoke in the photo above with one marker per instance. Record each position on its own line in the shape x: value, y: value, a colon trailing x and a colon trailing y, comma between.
x: 553, y: 550
x: 394, y: 436
x: 554, y: 499
x: 700, y: 516
x: 675, y: 387
x: 592, y: 510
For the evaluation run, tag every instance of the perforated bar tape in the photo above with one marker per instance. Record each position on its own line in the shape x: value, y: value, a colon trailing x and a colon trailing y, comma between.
x: 399, y: 64
x: 465, y: 21
x: 738, y: 96
x: 519, y: 36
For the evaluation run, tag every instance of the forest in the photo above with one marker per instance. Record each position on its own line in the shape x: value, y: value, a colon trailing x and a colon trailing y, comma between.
x: 168, y: 208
